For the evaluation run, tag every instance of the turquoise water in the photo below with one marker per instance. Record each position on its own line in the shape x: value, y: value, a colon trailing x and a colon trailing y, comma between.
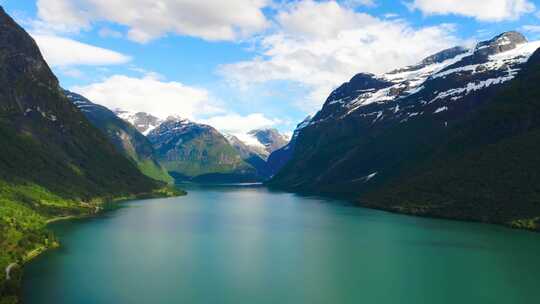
x: 250, y: 245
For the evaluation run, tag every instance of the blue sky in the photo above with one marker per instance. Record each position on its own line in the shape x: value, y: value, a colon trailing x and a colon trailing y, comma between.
x: 243, y: 64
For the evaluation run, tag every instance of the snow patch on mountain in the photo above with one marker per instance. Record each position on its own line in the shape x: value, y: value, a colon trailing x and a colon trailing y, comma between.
x: 445, y: 77
x: 249, y: 140
x: 441, y: 109
x: 142, y: 121
x: 458, y: 93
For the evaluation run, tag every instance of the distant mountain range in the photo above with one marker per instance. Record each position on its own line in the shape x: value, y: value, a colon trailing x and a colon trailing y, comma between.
x: 198, y: 152
x: 211, y: 156
x: 431, y: 138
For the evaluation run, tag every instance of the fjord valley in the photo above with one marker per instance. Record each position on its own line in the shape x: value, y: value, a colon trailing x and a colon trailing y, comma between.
x: 399, y: 185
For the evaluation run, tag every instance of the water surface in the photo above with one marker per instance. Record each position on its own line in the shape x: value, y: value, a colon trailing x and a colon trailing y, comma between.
x: 251, y: 245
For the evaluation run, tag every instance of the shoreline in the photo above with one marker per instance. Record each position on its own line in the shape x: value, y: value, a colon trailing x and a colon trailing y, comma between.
x: 506, y: 225
x: 30, y: 255
x: 101, y: 206
x: 529, y: 224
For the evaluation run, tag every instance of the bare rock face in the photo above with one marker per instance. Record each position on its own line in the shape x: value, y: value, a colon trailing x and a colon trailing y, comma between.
x: 142, y: 121
x: 502, y: 43
x: 270, y: 138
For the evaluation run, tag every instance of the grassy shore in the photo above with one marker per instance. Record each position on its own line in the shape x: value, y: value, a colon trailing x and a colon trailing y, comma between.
x: 26, y: 210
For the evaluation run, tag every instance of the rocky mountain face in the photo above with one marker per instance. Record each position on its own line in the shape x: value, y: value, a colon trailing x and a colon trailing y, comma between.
x: 376, y: 129
x: 126, y: 138
x: 260, y: 141
x: 270, y: 139
x: 53, y: 161
x: 142, y: 121
x: 256, y: 146
x: 198, y: 152
x: 253, y: 155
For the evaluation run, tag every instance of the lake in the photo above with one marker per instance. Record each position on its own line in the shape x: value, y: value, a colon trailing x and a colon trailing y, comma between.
x: 253, y: 245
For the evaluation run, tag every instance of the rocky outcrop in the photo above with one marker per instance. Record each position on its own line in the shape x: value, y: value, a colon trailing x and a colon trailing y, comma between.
x: 142, y: 121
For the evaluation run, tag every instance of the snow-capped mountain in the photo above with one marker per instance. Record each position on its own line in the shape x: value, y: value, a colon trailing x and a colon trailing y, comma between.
x: 271, y: 139
x: 142, y: 121
x: 441, y: 83
x: 193, y: 151
x: 253, y: 155
x: 260, y: 141
x: 375, y: 127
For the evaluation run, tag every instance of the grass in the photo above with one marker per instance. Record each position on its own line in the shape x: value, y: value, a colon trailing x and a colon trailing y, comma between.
x: 150, y: 169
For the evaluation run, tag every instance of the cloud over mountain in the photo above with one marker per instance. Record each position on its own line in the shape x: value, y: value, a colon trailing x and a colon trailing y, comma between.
x: 319, y: 45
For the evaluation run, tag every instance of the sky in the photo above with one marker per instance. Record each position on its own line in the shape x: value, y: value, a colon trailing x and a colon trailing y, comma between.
x: 245, y: 64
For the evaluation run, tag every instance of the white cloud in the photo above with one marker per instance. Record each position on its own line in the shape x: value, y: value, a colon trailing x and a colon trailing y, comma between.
x: 531, y: 28
x: 239, y: 125
x: 62, y: 52
x: 320, y: 45
x: 150, y: 94
x: 354, y: 3
x: 149, y: 19
x: 61, y: 16
x: 484, y: 10
x: 153, y: 95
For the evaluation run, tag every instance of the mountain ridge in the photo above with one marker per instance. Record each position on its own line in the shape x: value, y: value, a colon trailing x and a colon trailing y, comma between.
x: 376, y: 127
x: 126, y: 138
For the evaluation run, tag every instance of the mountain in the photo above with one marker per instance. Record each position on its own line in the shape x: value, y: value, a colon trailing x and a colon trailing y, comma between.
x: 125, y: 137
x: 256, y: 146
x: 486, y: 168
x: 270, y: 139
x: 251, y: 155
x: 279, y: 157
x: 53, y: 161
x: 142, y: 121
x: 379, y: 131
x: 261, y: 141
x: 198, y: 152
